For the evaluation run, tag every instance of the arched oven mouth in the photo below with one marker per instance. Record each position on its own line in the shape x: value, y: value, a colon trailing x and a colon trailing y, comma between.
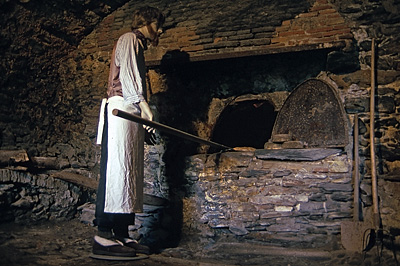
x: 312, y: 116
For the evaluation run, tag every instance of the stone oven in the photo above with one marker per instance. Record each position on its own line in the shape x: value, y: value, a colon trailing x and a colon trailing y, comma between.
x: 294, y: 191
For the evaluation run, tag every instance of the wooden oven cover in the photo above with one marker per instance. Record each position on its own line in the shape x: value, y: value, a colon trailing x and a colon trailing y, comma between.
x: 313, y: 114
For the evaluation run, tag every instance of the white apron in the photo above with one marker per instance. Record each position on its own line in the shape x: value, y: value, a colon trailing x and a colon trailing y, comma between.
x: 125, y: 159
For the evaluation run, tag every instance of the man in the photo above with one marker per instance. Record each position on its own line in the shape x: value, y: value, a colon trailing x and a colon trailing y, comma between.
x: 120, y: 191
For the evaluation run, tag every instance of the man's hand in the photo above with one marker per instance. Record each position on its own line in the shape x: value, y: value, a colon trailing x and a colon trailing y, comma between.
x: 147, y: 114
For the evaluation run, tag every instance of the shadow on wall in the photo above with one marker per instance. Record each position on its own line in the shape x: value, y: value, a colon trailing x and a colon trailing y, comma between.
x: 172, y: 112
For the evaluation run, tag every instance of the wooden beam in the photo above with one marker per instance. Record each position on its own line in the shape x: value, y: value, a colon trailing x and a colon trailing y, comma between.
x: 8, y: 157
x: 258, y: 51
x: 77, y: 179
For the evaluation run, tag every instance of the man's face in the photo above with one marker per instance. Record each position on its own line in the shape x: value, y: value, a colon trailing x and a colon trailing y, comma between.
x: 154, y: 33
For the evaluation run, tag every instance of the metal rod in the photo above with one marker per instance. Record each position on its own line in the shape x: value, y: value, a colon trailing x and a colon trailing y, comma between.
x: 356, y: 172
x: 372, y: 138
x: 166, y: 129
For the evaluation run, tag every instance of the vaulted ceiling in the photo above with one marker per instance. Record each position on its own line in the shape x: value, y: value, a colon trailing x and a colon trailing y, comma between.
x: 68, y: 20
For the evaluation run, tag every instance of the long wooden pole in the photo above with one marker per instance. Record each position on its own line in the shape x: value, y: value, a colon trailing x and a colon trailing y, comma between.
x: 166, y: 129
x: 356, y: 171
x: 372, y: 138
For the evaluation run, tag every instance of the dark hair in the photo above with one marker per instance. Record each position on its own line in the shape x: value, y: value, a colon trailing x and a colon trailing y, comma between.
x: 145, y: 16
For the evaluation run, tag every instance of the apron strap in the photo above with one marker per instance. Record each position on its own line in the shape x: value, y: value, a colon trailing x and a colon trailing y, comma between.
x: 101, y: 121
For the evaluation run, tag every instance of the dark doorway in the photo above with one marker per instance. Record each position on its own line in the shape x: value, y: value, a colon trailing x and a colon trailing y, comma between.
x: 245, y: 124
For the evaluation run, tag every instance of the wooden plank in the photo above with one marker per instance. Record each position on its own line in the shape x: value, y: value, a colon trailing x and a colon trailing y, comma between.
x: 265, y: 50
x: 86, y: 182
x: 77, y: 179
x: 13, y: 156
x: 46, y: 162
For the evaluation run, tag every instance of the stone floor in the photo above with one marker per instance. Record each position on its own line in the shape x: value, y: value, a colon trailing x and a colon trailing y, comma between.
x: 69, y: 243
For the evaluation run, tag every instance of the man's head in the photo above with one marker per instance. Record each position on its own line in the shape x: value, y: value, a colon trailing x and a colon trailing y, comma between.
x: 149, y: 21
x: 146, y: 15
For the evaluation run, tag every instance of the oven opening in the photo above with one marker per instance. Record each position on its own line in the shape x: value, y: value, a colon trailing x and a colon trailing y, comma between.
x: 245, y: 124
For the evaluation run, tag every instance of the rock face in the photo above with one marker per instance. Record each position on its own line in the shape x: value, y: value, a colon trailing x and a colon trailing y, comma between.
x: 25, y: 197
x: 54, y: 65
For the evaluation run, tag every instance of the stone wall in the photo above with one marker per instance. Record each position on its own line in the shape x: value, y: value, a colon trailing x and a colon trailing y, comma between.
x: 26, y: 197
x: 286, y: 203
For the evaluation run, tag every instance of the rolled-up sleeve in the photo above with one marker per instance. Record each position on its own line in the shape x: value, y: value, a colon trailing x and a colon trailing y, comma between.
x: 126, y: 60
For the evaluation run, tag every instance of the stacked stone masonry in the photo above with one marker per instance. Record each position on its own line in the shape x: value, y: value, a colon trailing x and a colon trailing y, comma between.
x: 25, y: 197
x: 288, y: 203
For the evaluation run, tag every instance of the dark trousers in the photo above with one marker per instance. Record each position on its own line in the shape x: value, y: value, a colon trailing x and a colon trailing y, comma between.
x: 116, y: 223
